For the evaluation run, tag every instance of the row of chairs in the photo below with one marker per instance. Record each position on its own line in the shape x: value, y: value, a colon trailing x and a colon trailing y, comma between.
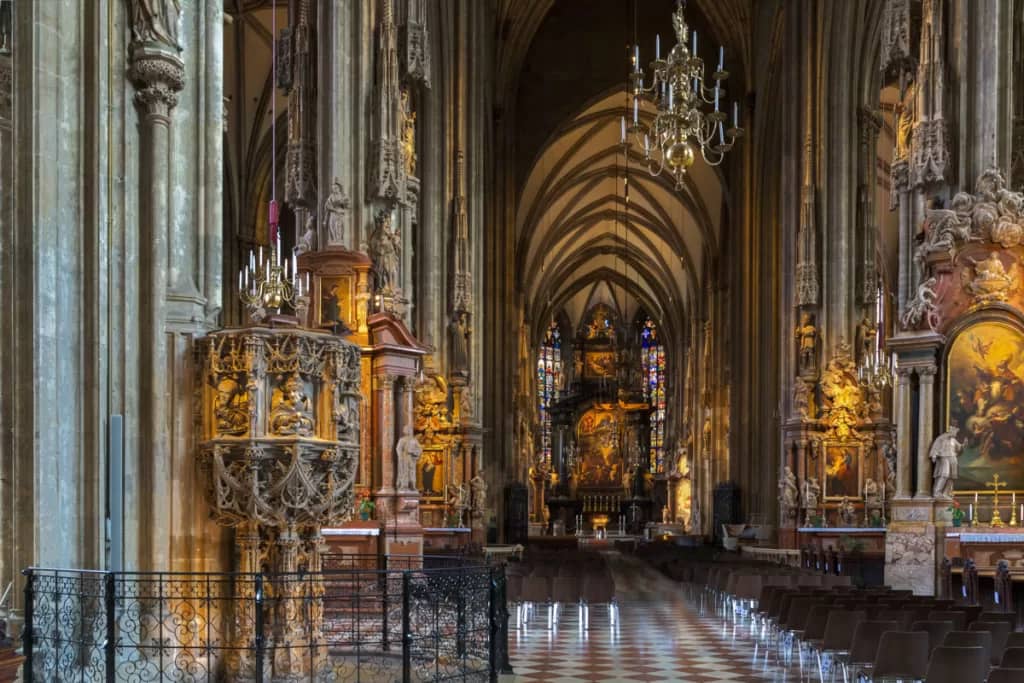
x: 557, y: 580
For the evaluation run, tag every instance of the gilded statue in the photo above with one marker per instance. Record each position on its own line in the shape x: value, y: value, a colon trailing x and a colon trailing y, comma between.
x: 408, y: 451
x: 155, y: 21
x: 408, y: 134
x: 231, y: 408
x: 290, y: 409
x: 842, y: 394
x: 385, y: 247
x: 336, y: 208
x: 807, y: 344
x: 944, y: 453
x: 905, y: 124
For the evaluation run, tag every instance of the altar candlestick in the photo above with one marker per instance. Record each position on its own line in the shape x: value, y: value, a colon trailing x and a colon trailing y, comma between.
x: 694, y: 43
x: 970, y: 512
x: 623, y: 129
x: 721, y: 57
x: 657, y: 46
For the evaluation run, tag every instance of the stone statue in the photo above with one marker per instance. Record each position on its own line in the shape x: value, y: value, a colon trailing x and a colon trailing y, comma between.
x: 807, y: 344
x: 872, y: 500
x: 336, y: 208
x: 409, y: 452
x: 466, y: 404
x: 944, y: 453
x: 789, y: 496
x: 290, y: 411
x: 889, y: 453
x: 307, y: 241
x: 155, y: 21
x: 811, y: 492
x: 408, y: 134
x: 385, y: 247
x: 460, y: 333
x: 847, y: 512
x: 478, y: 493
x: 457, y: 500
x: 803, y: 400
x: 923, y: 305
x: 867, y: 331
x: 231, y: 408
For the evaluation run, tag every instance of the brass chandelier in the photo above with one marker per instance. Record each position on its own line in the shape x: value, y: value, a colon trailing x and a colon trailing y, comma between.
x: 678, y: 91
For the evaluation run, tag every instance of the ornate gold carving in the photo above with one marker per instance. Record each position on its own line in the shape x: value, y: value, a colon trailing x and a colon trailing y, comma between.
x: 431, y: 407
x: 842, y: 395
x: 408, y: 134
x: 231, y: 408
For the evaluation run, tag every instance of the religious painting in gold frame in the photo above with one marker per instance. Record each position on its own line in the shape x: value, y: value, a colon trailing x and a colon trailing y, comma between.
x: 335, y: 305
x: 599, y: 364
x: 842, y: 470
x: 431, y: 474
x: 597, y: 444
x: 985, y: 401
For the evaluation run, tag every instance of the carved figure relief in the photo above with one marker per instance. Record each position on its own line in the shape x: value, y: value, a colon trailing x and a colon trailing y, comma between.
x: 336, y: 208
x: 924, y: 306
x: 155, y: 21
x: 991, y: 281
x: 231, y: 408
x: 811, y: 494
x: 290, y: 409
x: 842, y: 397
x: 789, y: 496
x: 431, y: 407
x: 803, y: 400
x: 307, y: 241
x: 847, y: 512
x: 867, y: 334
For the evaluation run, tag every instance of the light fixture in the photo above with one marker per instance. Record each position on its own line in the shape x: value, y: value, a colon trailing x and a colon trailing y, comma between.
x: 677, y: 90
x: 265, y: 285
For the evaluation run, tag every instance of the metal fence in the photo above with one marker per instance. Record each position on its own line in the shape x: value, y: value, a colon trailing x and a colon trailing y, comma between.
x: 435, y: 619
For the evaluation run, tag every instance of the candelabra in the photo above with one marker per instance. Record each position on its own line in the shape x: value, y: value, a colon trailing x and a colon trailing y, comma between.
x: 678, y: 91
x: 269, y: 284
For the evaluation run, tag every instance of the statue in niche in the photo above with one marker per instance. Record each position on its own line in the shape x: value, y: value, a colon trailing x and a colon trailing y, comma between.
x: 811, y: 492
x: 944, y: 453
x: 460, y: 332
x: 867, y: 333
x: 803, y: 400
x: 336, y: 208
x: 290, y: 409
x: 789, y: 496
x: 385, y: 246
x: 409, y: 451
x: 155, y: 21
x: 408, y: 134
x: 847, y: 512
x: 307, y: 240
x: 807, y: 344
x: 231, y: 408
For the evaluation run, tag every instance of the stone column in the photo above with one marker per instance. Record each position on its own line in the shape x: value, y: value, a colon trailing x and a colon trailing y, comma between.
x: 158, y: 74
x: 384, y: 437
x: 925, y: 430
x: 903, y: 433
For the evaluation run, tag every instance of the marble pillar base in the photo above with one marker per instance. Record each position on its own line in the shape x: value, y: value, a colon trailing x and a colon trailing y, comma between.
x: 912, y: 547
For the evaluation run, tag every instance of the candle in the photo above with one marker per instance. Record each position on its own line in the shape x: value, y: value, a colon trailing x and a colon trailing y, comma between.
x: 975, y: 497
x: 240, y: 280
x: 694, y: 43
x: 252, y: 260
x: 623, y: 122
x: 636, y: 110
x: 721, y: 57
x: 717, y: 88
x: 735, y: 114
x: 636, y: 58
x: 261, y: 254
x: 295, y: 263
x: 307, y: 281
x: 657, y: 46
x: 670, y: 91
x: 647, y: 146
x: 970, y: 512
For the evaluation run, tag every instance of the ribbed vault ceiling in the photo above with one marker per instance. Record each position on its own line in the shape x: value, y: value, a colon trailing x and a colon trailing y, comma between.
x: 576, y: 235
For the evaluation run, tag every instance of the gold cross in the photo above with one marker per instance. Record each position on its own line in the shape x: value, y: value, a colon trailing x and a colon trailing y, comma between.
x: 995, y: 484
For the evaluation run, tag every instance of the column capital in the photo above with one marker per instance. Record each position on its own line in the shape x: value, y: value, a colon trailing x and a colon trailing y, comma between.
x: 158, y: 75
x: 927, y: 372
x: 385, y: 382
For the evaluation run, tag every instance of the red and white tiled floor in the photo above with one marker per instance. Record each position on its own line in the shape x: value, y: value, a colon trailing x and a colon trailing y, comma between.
x: 659, y: 637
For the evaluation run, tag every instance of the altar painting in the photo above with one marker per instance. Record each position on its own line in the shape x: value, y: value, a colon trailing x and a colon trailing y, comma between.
x: 600, y: 364
x: 336, y: 301
x: 985, y: 400
x: 430, y: 474
x: 842, y: 470
x: 598, y: 448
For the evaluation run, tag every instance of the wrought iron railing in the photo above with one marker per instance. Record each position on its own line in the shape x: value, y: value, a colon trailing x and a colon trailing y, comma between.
x: 435, y: 619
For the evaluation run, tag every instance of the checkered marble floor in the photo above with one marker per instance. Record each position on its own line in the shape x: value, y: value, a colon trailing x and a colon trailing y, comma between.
x: 659, y: 637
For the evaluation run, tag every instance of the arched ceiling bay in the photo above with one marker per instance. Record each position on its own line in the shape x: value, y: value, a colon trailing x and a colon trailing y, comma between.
x: 575, y: 229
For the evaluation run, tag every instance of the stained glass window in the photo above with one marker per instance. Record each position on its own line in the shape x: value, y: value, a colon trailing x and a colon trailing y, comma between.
x: 549, y: 376
x: 652, y: 358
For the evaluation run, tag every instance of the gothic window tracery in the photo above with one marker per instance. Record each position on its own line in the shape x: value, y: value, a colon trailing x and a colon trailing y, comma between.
x: 549, y: 376
x: 652, y: 358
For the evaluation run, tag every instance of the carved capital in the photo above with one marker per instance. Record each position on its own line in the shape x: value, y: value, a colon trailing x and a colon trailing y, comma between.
x: 903, y: 373
x: 158, y: 76
x: 384, y: 382
x: 927, y: 373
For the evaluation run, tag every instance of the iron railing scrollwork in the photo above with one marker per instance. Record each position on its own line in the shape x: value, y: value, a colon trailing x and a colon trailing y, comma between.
x: 341, y: 624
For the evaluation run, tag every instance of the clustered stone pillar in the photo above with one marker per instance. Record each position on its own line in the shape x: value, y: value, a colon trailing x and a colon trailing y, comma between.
x: 903, y: 427
x: 925, y: 429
